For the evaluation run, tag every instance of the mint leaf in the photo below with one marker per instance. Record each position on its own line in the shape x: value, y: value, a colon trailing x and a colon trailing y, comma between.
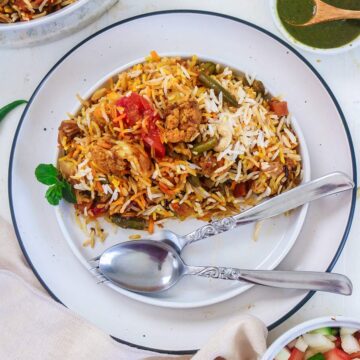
x: 59, y: 188
x: 67, y: 192
x: 54, y: 194
x: 47, y: 174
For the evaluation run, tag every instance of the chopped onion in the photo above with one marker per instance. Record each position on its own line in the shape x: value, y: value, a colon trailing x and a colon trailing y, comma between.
x: 347, y: 331
x: 319, y: 342
x: 291, y: 344
x: 301, y: 344
x: 284, y: 354
x: 350, y: 344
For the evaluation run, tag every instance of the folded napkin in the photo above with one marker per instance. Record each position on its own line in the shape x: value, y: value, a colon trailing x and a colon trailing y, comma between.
x: 34, y: 327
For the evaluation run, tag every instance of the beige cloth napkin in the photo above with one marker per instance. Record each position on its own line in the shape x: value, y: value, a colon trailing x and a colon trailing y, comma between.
x: 34, y: 327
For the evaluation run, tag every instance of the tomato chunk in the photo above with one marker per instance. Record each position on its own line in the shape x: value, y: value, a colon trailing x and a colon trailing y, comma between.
x: 336, y: 354
x: 153, y: 140
x: 337, y: 342
x: 21, y: 5
x: 296, y: 354
x: 240, y: 190
x: 355, y: 355
x: 97, y: 211
x: 137, y: 108
x: 357, y: 336
x: 182, y: 210
x: 280, y: 108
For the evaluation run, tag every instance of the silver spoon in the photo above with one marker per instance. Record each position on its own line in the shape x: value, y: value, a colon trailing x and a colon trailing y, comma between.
x: 147, y: 266
x: 327, y: 185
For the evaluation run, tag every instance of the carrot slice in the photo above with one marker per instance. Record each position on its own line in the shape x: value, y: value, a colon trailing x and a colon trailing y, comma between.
x: 151, y: 226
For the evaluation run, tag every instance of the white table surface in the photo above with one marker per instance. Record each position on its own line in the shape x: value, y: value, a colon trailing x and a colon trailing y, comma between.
x: 22, y: 70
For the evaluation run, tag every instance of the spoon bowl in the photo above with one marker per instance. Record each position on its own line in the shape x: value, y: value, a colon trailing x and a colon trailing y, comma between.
x: 142, y: 266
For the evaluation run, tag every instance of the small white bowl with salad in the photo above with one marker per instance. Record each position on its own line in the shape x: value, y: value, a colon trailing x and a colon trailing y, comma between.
x: 325, y: 338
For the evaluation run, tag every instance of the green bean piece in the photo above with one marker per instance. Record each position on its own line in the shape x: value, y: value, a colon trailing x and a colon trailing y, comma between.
x: 210, y: 83
x: 244, y: 80
x: 194, y: 180
x: 205, y: 146
x: 222, y: 188
x: 128, y: 222
x: 208, y: 183
x: 7, y: 108
x: 258, y: 87
x: 208, y: 68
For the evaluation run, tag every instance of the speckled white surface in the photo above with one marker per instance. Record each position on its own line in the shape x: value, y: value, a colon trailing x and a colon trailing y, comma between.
x: 22, y: 69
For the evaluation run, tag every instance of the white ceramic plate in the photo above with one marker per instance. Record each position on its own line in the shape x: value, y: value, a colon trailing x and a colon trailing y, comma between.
x: 230, y: 41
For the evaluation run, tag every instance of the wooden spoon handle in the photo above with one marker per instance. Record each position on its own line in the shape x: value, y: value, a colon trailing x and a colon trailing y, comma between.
x: 326, y: 12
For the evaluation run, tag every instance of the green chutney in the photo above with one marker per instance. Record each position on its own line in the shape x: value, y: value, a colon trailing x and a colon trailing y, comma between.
x: 327, y: 35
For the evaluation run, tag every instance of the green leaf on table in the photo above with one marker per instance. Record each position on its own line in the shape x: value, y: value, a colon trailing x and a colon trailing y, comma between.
x: 67, y: 192
x: 47, y: 174
x: 54, y: 194
x: 7, y: 108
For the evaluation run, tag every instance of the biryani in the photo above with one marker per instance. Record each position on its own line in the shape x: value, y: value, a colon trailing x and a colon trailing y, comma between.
x: 177, y: 138
x: 12, y: 11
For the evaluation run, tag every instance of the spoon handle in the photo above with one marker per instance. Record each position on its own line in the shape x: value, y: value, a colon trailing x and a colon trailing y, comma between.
x: 300, y: 280
x: 326, y: 12
x: 327, y: 185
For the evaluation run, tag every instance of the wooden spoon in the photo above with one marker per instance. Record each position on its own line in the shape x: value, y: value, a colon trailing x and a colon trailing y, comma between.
x: 325, y: 12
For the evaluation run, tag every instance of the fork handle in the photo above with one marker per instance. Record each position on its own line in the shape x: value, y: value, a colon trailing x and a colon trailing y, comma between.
x: 300, y: 280
x: 327, y: 185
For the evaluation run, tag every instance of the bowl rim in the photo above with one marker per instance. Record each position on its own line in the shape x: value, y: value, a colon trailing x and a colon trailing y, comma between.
x: 331, y: 51
x: 44, y: 19
x: 302, y: 328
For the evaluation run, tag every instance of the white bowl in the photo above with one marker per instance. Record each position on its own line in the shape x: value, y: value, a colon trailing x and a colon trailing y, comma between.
x: 282, y: 235
x: 327, y: 321
x: 351, y: 45
x: 55, y: 25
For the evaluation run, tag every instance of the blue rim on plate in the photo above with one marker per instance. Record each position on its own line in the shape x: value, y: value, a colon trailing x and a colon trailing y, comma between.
x: 347, y: 131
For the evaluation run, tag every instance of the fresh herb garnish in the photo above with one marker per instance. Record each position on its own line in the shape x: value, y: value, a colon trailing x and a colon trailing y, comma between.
x: 54, y: 194
x: 47, y: 174
x: 68, y: 194
x: 59, y: 188
x: 7, y: 108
